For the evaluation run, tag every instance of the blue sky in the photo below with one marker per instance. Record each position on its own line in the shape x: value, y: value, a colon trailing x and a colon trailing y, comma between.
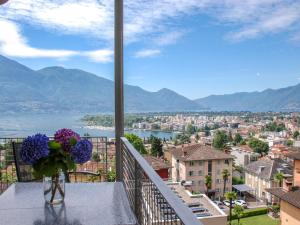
x: 194, y: 47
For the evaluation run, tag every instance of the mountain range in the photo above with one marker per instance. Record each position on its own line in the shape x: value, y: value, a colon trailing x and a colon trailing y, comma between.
x: 56, y: 89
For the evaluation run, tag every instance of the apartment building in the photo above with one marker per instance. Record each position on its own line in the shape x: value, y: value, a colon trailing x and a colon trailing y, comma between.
x: 289, y: 196
x: 243, y: 155
x: 192, y: 163
x: 259, y: 176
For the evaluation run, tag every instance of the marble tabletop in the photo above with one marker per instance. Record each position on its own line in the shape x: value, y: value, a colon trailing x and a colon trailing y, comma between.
x: 85, y: 204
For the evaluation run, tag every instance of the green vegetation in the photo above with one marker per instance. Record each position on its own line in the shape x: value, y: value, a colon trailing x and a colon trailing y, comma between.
x: 182, y: 139
x: 252, y: 212
x: 237, y: 139
x: 236, y: 180
x: 230, y: 196
x: 296, y: 134
x: 225, y: 176
x: 208, y: 183
x: 258, y: 146
x: 111, y: 176
x: 275, y: 127
x: 137, y: 143
x: 156, y: 146
x: 289, y: 143
x: 238, y: 212
x: 220, y: 139
x: 278, y: 177
x: 258, y: 220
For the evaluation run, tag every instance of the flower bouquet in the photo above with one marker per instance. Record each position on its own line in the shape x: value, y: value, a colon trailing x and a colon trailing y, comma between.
x: 52, y: 159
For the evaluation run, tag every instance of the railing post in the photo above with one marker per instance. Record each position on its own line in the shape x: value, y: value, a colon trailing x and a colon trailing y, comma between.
x: 119, y: 95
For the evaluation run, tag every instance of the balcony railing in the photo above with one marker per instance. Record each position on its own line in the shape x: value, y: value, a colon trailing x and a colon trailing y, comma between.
x: 150, y: 198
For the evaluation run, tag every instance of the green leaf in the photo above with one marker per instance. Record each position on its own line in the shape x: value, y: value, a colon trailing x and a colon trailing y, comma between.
x: 73, y: 141
x: 54, y: 145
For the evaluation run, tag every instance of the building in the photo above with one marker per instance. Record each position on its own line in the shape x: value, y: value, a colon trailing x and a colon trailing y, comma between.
x: 259, y: 175
x: 289, y: 196
x: 192, y: 163
x: 243, y: 155
x: 159, y: 165
x: 204, y: 209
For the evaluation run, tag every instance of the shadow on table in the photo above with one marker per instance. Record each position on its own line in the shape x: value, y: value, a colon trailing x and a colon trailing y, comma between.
x: 56, y: 215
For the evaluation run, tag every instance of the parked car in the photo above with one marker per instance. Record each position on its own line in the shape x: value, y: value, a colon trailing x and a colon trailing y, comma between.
x: 241, y: 203
x: 227, y: 203
x: 219, y: 204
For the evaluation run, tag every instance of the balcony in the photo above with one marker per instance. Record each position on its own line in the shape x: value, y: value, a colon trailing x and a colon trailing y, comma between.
x: 151, y: 201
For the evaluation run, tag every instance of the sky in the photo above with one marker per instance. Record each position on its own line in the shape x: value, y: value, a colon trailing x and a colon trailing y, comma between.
x: 194, y: 47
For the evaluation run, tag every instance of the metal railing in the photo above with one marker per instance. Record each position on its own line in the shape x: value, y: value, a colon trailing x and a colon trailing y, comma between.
x: 150, y: 198
x: 95, y: 170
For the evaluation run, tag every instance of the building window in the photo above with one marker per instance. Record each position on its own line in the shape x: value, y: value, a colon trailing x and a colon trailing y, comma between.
x: 218, y: 172
x: 200, y: 182
x: 200, y: 163
x: 227, y: 161
x: 209, y: 167
x: 218, y: 181
x: 193, y: 182
x: 217, y: 190
x: 200, y: 172
x: 191, y: 173
x: 191, y: 163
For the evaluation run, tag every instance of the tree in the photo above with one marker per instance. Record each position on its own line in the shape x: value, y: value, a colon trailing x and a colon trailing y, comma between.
x: 237, y: 138
x: 230, y: 138
x: 296, y: 134
x: 289, y: 143
x: 208, y: 182
x: 190, y: 129
x: 225, y: 175
x: 238, y: 211
x: 258, y: 146
x: 278, y: 177
x: 220, y: 139
x: 137, y: 143
x: 156, y: 146
x: 230, y: 196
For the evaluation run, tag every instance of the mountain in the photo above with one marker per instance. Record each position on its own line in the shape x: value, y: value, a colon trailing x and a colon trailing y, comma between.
x: 283, y: 99
x: 56, y: 89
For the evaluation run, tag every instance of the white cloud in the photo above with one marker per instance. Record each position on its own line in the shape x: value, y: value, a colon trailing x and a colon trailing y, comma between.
x: 13, y: 44
x: 157, y: 21
x: 101, y: 55
x: 147, y: 53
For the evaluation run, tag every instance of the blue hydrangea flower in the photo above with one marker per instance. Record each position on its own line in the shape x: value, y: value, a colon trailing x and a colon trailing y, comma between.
x: 34, y: 148
x: 82, y: 151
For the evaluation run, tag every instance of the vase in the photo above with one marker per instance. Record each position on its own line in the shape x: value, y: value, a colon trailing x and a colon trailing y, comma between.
x: 54, y: 188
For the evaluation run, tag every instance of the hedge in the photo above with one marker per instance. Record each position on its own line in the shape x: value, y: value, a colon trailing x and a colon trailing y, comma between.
x: 254, y: 212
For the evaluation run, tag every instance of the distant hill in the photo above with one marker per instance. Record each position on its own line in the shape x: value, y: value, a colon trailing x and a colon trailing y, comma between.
x: 56, y: 89
x: 283, y: 99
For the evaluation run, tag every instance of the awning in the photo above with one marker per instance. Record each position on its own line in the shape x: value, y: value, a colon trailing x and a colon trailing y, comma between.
x: 243, y: 188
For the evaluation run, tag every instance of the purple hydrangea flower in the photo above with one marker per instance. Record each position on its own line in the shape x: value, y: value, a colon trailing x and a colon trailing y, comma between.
x: 34, y: 148
x: 82, y: 151
x: 63, y: 136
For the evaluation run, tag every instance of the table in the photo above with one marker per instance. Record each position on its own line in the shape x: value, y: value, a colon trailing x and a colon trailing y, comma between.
x: 85, y: 204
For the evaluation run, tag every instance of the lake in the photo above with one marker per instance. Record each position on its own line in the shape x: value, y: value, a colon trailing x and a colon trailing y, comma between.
x: 24, y: 125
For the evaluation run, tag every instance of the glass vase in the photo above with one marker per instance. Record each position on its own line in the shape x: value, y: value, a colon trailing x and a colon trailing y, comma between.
x: 54, y: 188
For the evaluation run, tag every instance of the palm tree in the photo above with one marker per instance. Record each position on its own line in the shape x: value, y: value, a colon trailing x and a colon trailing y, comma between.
x: 225, y: 175
x: 208, y: 182
x: 230, y: 196
x: 279, y: 178
x: 238, y: 211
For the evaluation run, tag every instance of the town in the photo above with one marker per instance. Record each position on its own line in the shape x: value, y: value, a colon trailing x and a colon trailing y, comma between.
x: 254, y: 156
